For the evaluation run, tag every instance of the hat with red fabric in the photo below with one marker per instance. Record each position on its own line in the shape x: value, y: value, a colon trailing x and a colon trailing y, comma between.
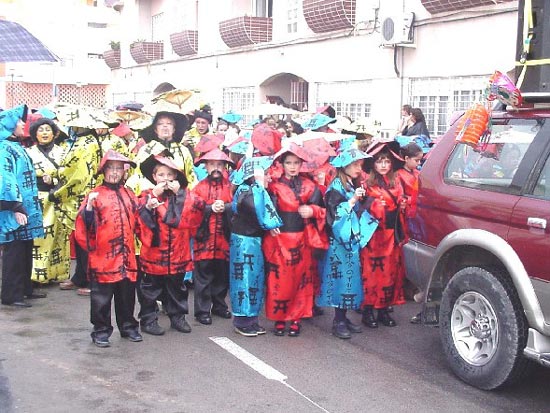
x: 209, y: 142
x: 294, y: 149
x: 148, y: 166
x: 391, y: 145
x: 31, y: 118
x: 121, y: 130
x: 112, y: 155
x: 215, y: 154
x: 266, y: 139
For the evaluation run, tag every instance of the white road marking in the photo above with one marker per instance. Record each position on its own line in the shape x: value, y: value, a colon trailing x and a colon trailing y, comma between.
x: 261, y: 367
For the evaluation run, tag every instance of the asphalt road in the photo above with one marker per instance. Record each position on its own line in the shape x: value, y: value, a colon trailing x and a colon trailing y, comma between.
x: 49, y: 364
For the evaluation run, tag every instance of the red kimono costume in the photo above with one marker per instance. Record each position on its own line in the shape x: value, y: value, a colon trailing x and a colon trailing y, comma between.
x: 409, y: 181
x: 166, y: 253
x: 290, y: 265
x: 211, y: 248
x: 381, y: 258
x: 107, y: 233
x: 166, y: 232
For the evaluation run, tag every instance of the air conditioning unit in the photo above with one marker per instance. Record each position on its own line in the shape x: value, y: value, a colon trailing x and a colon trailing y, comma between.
x: 397, y: 30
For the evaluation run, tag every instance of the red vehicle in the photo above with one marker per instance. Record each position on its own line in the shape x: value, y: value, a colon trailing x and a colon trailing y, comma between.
x: 480, y: 248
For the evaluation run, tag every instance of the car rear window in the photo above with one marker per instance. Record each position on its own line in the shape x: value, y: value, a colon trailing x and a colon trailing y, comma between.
x: 492, y: 166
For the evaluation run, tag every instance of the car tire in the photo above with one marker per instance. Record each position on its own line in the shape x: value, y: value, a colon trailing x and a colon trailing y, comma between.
x: 483, y: 329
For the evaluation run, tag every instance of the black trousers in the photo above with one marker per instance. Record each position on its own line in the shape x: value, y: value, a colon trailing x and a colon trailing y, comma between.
x: 211, y: 283
x: 16, y: 271
x: 170, y: 289
x: 79, y: 277
x: 101, y: 297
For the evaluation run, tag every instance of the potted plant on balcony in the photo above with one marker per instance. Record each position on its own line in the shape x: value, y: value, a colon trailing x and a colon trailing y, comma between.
x: 144, y: 52
x: 112, y: 56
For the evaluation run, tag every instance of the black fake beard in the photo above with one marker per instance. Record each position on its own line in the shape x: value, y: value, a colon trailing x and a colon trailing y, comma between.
x: 215, y: 175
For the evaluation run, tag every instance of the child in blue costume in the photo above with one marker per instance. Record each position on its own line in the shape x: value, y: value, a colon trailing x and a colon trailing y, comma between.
x: 253, y: 214
x: 349, y: 227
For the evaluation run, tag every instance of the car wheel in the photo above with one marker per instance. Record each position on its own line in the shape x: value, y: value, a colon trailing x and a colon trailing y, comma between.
x: 483, y: 329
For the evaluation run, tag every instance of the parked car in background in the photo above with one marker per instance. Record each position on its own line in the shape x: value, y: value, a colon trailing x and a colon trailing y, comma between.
x: 480, y: 247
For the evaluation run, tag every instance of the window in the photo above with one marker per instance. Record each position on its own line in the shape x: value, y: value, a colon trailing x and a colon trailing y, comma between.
x: 239, y: 99
x: 542, y: 189
x: 292, y: 16
x: 438, y: 98
x: 492, y: 166
x: 347, y: 98
x: 263, y: 8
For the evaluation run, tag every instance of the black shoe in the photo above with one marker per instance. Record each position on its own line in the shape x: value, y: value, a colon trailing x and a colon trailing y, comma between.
x: 341, y: 330
x: 180, y: 324
x: 384, y: 318
x: 22, y: 304
x: 417, y: 319
x: 259, y: 329
x: 368, y: 318
x: 294, y: 329
x: 101, y: 341
x: 353, y: 328
x: 36, y: 295
x: 223, y: 313
x: 133, y: 336
x: 152, y: 328
x: 249, y: 331
x: 204, y: 319
x: 279, y: 328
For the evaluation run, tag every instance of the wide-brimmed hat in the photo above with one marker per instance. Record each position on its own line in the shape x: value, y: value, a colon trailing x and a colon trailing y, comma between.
x: 181, y: 125
x: 348, y: 156
x: 9, y: 119
x: 215, y: 154
x: 390, y: 144
x: 294, y: 149
x: 317, y: 121
x: 78, y: 116
x: 266, y: 139
x: 248, y: 166
x: 209, y: 142
x: 148, y: 165
x: 112, y: 155
x: 231, y: 117
x: 364, y: 126
x: 121, y: 130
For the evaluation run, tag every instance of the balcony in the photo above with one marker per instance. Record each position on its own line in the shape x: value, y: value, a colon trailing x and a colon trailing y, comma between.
x: 323, y: 16
x: 112, y: 58
x: 440, y: 6
x: 246, y: 30
x: 185, y: 43
x: 146, y: 52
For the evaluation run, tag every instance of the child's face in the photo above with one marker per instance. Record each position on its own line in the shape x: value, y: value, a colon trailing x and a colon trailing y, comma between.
x: 412, y: 162
x: 164, y: 174
x: 383, y: 165
x: 292, y: 165
x: 354, y: 169
x: 113, y: 171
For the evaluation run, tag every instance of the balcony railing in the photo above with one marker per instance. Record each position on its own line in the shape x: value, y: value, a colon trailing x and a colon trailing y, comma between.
x: 324, y: 16
x: 145, y: 52
x: 246, y: 30
x: 185, y: 43
x: 112, y: 58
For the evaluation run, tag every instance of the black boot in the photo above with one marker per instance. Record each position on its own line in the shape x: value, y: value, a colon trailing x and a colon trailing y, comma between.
x: 368, y: 317
x: 384, y: 318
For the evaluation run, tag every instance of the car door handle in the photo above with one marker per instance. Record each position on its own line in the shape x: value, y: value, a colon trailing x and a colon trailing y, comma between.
x: 536, y: 222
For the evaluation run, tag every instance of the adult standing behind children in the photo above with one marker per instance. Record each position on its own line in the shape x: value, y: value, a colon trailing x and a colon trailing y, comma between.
x: 169, y: 215
x: 105, y: 228
x: 211, y: 246
x: 417, y: 124
x: 20, y: 212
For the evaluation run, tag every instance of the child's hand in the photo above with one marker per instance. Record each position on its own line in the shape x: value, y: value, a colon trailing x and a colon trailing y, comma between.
x: 275, y: 232
x: 152, y: 203
x: 91, y: 198
x: 173, y: 186
x: 305, y: 211
x: 159, y: 189
x: 218, y: 206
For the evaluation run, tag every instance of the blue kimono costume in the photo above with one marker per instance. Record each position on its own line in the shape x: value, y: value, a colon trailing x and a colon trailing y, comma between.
x: 349, y: 230
x: 254, y: 213
x: 18, y: 187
